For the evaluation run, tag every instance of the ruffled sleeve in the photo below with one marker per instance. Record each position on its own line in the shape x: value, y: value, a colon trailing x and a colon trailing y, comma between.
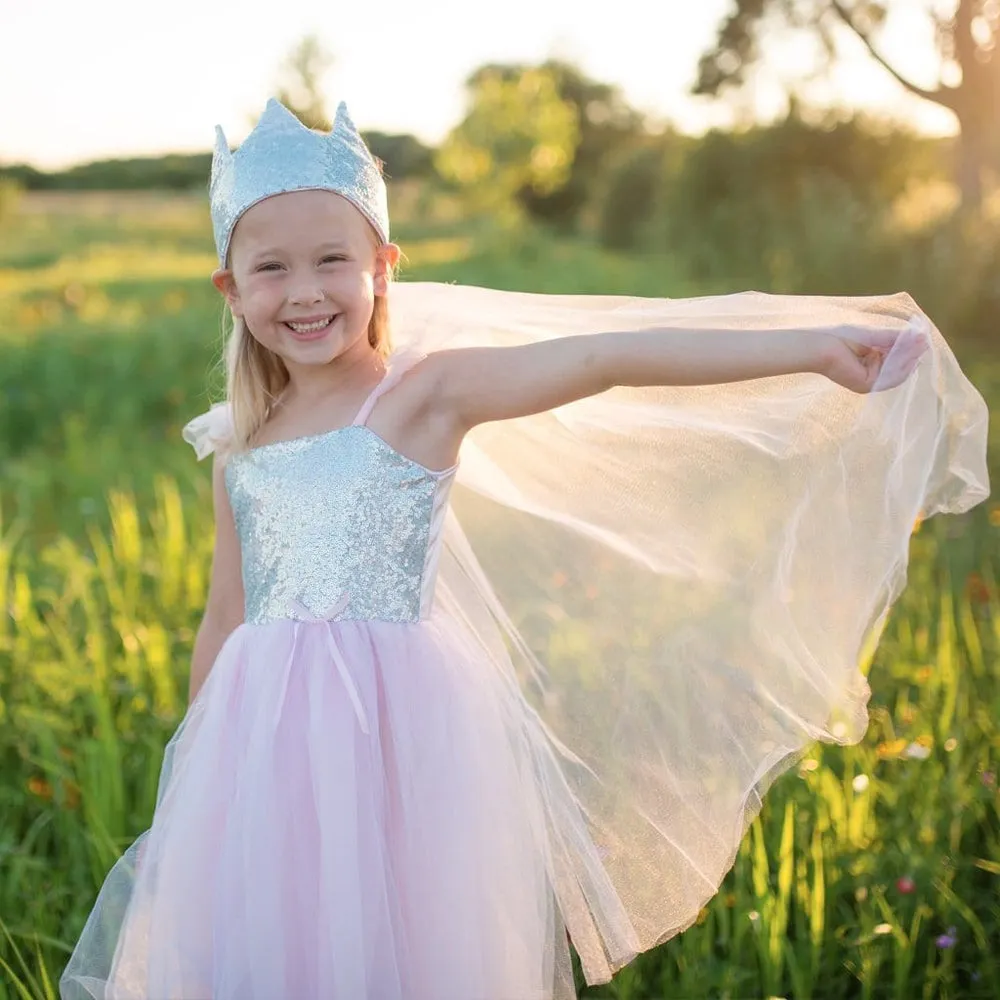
x: 210, y: 431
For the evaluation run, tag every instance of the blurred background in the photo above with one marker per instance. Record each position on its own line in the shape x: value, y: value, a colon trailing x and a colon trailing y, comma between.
x: 844, y: 147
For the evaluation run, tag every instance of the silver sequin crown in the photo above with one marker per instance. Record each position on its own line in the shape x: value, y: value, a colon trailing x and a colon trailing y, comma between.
x: 281, y: 155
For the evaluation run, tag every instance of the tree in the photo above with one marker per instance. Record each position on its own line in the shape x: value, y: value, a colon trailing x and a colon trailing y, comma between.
x: 968, y: 77
x: 606, y: 126
x: 300, y: 87
x: 518, y: 134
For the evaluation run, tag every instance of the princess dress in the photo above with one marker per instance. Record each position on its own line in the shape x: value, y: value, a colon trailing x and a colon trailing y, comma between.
x: 435, y: 747
x: 344, y: 810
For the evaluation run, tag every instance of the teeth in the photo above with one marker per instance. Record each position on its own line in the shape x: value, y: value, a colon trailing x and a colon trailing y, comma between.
x: 310, y: 327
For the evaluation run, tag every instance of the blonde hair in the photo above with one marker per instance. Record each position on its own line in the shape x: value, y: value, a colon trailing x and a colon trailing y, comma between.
x: 256, y: 376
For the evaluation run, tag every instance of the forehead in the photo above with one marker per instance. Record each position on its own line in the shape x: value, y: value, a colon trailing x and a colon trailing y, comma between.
x: 299, y: 218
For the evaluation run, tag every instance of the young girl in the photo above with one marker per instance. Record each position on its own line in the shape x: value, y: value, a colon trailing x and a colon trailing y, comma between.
x: 699, y: 510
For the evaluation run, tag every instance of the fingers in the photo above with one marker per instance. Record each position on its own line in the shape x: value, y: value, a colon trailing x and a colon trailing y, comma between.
x: 917, y: 326
x: 902, y: 360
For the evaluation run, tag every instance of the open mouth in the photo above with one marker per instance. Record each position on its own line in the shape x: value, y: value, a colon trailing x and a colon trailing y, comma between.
x: 311, y: 330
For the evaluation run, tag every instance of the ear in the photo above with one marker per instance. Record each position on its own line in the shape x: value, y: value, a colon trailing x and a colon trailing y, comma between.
x: 223, y: 279
x: 386, y: 259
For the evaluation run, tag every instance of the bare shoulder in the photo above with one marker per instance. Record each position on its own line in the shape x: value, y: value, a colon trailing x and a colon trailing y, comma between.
x: 415, y: 420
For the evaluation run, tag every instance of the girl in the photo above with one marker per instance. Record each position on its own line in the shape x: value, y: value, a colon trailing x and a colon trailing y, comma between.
x: 700, y: 508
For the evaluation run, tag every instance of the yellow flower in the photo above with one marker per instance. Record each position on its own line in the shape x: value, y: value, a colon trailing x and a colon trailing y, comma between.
x: 892, y: 748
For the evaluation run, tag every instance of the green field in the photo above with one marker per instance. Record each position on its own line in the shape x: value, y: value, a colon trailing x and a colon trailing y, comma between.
x: 872, y: 872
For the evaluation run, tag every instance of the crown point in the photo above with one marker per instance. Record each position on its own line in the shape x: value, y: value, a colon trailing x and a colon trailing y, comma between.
x: 342, y: 118
x: 275, y: 112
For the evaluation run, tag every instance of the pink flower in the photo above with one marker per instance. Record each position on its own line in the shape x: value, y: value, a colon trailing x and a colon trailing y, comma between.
x: 906, y: 885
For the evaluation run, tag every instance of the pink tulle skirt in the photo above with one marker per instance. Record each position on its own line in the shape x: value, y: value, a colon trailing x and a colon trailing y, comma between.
x: 292, y: 856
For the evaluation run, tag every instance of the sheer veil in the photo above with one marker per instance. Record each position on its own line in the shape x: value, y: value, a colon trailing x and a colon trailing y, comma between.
x: 685, y: 583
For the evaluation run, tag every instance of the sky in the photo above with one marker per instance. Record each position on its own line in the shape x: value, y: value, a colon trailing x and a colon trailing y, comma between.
x: 82, y: 81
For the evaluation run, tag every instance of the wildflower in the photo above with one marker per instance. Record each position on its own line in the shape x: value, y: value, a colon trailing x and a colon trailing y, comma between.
x: 861, y: 893
x: 40, y: 787
x: 906, y: 885
x: 917, y: 751
x: 892, y: 748
x: 950, y: 744
x: 948, y: 940
x: 995, y: 517
x: 883, y: 928
x: 860, y: 783
x: 807, y: 765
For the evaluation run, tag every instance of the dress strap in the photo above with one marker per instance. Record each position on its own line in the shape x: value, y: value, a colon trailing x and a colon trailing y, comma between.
x: 397, y: 365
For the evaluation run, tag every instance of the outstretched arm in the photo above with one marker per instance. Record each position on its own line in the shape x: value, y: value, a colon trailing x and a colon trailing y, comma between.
x: 480, y: 384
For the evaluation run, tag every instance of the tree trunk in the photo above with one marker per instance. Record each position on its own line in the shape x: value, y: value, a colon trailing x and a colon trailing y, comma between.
x: 972, y: 154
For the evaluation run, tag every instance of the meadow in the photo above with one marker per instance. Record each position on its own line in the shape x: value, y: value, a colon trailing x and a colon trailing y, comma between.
x: 872, y: 872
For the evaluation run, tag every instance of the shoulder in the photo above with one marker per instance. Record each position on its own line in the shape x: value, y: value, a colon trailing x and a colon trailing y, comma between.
x: 211, y: 431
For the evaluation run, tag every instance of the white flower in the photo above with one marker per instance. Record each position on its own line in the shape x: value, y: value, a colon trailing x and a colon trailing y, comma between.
x: 917, y: 751
x: 860, y: 783
x: 883, y: 928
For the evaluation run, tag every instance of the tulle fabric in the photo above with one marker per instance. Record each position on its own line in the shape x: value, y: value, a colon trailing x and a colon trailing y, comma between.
x: 290, y: 856
x: 690, y: 580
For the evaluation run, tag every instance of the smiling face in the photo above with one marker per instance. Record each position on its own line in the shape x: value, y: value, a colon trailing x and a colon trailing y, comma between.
x: 305, y: 268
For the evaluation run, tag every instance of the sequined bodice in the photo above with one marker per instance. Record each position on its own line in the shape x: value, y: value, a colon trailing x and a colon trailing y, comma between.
x: 340, y: 525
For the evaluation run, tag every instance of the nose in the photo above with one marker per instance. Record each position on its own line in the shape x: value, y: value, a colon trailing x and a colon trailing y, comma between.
x: 305, y: 291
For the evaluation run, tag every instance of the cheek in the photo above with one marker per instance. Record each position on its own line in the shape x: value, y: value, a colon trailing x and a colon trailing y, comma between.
x: 263, y: 297
x: 354, y: 285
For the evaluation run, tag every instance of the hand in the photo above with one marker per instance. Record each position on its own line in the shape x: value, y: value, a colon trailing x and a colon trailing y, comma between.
x: 872, y: 360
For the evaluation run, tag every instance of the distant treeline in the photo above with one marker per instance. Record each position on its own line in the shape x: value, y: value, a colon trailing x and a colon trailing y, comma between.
x: 403, y: 155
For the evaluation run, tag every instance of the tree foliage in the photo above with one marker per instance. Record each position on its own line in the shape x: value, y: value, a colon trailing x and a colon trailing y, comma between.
x: 966, y: 34
x: 795, y: 206
x: 517, y: 134
x: 597, y: 117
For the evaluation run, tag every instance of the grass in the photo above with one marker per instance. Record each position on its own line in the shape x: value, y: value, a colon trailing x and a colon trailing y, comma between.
x: 848, y: 882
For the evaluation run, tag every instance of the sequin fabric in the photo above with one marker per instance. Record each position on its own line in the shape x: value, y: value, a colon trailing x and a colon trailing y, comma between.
x: 282, y: 155
x: 338, y: 521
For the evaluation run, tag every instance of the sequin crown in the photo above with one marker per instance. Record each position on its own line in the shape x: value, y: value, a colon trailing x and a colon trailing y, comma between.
x: 281, y: 155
